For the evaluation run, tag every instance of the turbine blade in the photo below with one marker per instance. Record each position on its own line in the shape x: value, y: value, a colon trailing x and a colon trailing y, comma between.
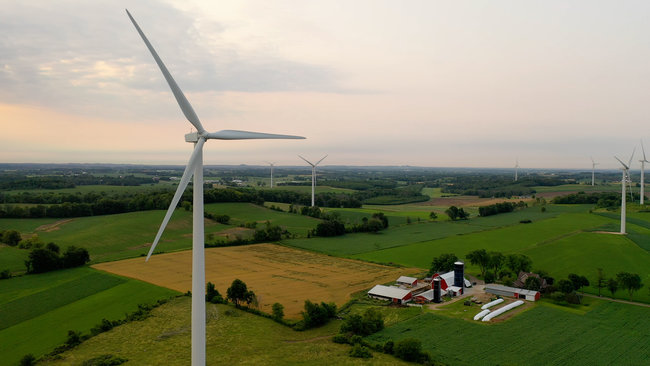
x: 622, y: 163
x: 642, y: 149
x: 592, y: 160
x: 321, y: 160
x: 185, y: 180
x: 246, y: 135
x: 629, y: 163
x: 185, y: 105
x: 308, y: 162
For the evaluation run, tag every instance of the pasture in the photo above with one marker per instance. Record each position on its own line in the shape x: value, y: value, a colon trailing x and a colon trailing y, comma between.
x: 425, y: 231
x: 275, y: 273
x: 128, y: 235
x: 233, y: 337
x: 608, y: 334
x: 38, y: 310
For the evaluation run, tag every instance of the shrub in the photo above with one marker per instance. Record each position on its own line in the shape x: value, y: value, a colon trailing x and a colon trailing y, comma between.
x: 104, y: 360
x: 408, y: 349
x: 4, y: 274
x: 360, y: 351
x: 28, y: 360
x: 340, y: 339
x: 388, y: 347
x: 74, y: 257
x: 278, y: 311
x: 74, y: 338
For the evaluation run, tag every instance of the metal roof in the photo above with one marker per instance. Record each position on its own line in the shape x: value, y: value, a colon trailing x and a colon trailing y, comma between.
x: 388, y: 291
x: 406, y: 279
x: 510, y: 289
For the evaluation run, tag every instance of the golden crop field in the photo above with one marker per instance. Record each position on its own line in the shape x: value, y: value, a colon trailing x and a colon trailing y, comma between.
x: 275, y: 273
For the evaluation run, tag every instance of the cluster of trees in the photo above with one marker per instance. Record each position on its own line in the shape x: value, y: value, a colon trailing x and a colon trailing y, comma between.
x: 496, y: 265
x: 493, y: 265
x: 363, y: 325
x: 239, y: 293
x: 569, y: 287
x: 48, y: 258
x: 498, y: 208
x: 10, y: 237
x: 22, y: 182
x: 316, y: 315
x: 456, y: 213
x: 631, y: 282
x: 600, y: 199
x: 332, y: 224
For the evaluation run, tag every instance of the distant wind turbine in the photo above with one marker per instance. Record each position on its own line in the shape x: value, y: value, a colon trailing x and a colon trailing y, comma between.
x: 195, y: 168
x: 516, y: 169
x: 593, y: 169
x: 642, y: 161
x: 313, y: 176
x: 272, y: 165
x: 626, y: 173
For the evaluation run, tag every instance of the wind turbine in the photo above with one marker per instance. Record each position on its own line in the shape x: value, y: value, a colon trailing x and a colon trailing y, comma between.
x: 516, y: 169
x: 272, y: 165
x: 313, y: 176
x: 642, y: 161
x: 593, y: 169
x: 626, y: 173
x: 195, y: 168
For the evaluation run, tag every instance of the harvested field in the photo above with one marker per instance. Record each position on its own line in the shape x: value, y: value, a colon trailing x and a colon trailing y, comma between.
x: 275, y: 273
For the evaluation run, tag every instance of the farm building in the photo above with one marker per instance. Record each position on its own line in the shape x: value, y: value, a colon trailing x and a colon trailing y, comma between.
x: 454, y: 282
x: 523, y: 276
x: 394, y: 294
x: 408, y: 281
x: 517, y: 293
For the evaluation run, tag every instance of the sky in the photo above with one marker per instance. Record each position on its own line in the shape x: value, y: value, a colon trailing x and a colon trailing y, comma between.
x: 422, y: 83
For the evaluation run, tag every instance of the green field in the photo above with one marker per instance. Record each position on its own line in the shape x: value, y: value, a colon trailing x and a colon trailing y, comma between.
x: 406, y: 235
x: 233, y: 337
x: 578, y: 188
x: 608, y: 334
x: 38, y: 310
x: 83, y: 189
x: 128, y: 235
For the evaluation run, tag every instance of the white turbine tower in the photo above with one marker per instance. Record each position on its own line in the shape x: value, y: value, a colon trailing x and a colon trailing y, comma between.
x: 516, y: 169
x: 195, y: 167
x: 313, y: 176
x: 272, y: 165
x: 593, y: 169
x: 625, y: 177
x: 642, y: 161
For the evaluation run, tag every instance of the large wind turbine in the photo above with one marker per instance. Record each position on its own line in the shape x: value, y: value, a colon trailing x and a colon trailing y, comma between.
x: 272, y: 165
x: 626, y: 174
x: 195, y: 168
x: 642, y: 161
x: 313, y: 176
x: 593, y: 169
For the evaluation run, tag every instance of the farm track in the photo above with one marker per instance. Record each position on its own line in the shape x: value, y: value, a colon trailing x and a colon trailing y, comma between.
x: 617, y: 300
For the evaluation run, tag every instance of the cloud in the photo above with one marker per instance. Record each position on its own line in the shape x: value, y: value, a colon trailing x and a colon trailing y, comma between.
x: 86, y: 57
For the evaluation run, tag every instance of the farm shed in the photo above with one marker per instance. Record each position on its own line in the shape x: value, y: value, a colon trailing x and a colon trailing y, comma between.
x: 454, y: 282
x: 394, y: 294
x: 405, y: 280
x: 517, y: 293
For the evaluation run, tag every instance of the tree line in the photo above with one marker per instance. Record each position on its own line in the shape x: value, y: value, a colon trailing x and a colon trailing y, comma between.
x: 498, y: 208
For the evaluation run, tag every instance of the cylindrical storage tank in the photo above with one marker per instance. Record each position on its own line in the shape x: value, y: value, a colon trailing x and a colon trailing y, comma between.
x: 459, y: 274
x: 436, y: 290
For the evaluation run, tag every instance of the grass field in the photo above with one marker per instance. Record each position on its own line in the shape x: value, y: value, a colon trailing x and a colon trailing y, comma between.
x: 609, y: 334
x: 275, y: 273
x: 558, y: 245
x: 234, y: 337
x: 36, y: 311
x: 578, y: 188
x: 13, y: 259
x: 405, y: 235
x: 114, y: 237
